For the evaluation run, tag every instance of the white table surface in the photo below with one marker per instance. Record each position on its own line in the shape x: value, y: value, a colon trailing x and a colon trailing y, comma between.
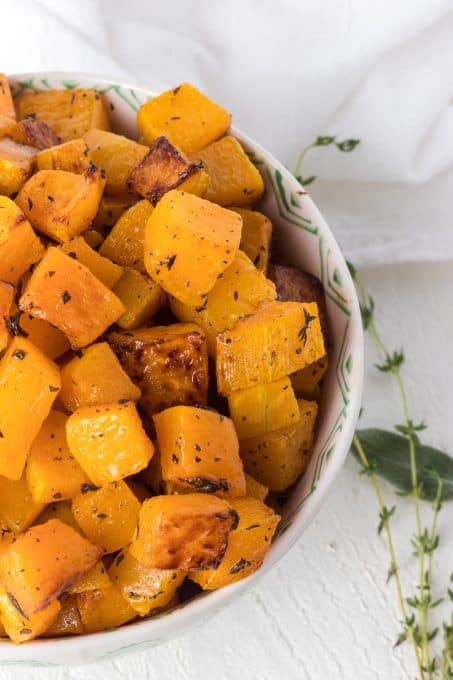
x: 325, y: 612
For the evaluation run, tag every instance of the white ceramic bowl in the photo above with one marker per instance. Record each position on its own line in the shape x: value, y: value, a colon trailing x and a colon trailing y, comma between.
x: 307, y: 242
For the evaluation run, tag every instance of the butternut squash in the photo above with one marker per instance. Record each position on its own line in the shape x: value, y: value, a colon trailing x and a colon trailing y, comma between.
x: 33, y: 133
x: 16, y: 165
x: 102, y: 609
x: 6, y: 99
x: 18, y: 508
x: 61, y: 510
x: 50, y: 340
x: 307, y: 379
x: 197, y: 183
x: 6, y: 301
x: 21, y: 628
x: 101, y: 267
x: 68, y: 621
x: 254, y: 488
x: 19, y: 245
x: 71, y: 156
x: 141, y: 297
x: 95, y: 579
x: 189, y: 242
x: 110, y: 210
x: 256, y: 237
x: 125, y: 243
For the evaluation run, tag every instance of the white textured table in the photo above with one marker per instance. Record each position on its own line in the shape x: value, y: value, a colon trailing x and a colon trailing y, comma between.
x: 325, y: 612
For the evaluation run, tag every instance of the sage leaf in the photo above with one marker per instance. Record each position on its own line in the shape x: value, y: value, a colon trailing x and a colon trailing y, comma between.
x: 390, y: 456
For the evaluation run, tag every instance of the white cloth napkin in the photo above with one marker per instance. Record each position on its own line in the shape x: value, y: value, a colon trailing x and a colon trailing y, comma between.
x: 289, y: 71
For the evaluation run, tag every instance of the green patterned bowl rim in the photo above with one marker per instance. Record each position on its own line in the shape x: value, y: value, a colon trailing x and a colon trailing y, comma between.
x: 305, y: 240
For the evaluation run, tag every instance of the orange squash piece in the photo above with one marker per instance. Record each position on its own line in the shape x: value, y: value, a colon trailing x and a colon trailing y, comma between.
x: 143, y: 588
x: 33, y: 133
x: 256, y: 236
x: 247, y: 546
x: 187, y: 532
x: 101, y: 267
x: 6, y: 99
x: 95, y: 579
x: 62, y: 204
x: 52, y: 472
x: 16, y: 165
x: 141, y: 296
x: 168, y: 363
x: 199, y: 451
x: 186, y: 116
x: 19, y: 245
x: 29, y: 383
x: 107, y: 516
x: 109, y: 441
x: 109, y: 212
x: 61, y: 510
x: 125, y: 243
x: 103, y: 609
x: 278, y: 339
x: 96, y: 377
x: 6, y: 301
x: 70, y: 113
x: 43, y: 562
x: 233, y: 179
x: 68, y: 621
x: 307, y: 379
x: 255, y: 488
x: 50, y: 340
x: 65, y: 293
x: 18, y: 509
x: 71, y: 156
x: 197, y: 183
x: 21, y: 628
x: 189, y: 242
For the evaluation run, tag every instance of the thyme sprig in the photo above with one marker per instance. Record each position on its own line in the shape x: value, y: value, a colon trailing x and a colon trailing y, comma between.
x: 346, y: 146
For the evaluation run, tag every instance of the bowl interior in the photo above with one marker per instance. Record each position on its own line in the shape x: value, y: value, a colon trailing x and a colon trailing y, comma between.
x: 303, y: 240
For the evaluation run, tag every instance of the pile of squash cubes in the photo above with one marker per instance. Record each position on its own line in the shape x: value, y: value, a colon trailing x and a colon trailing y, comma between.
x: 154, y: 384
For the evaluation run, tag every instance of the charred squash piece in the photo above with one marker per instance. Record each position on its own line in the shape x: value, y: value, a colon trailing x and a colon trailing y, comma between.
x: 34, y: 133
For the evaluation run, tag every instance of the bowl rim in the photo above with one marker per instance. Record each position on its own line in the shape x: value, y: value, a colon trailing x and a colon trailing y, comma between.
x: 148, y: 632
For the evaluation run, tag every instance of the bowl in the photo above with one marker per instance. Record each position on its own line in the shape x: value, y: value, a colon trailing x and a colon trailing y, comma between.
x: 304, y: 240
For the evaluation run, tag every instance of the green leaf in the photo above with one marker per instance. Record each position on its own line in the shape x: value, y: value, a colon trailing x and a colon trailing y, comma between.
x: 306, y: 180
x: 324, y: 141
x: 347, y: 145
x: 390, y: 456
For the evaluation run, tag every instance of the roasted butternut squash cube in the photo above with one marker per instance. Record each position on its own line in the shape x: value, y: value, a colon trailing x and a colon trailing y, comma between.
x: 50, y: 340
x: 256, y: 237
x: 239, y: 292
x: 307, y: 379
x: 278, y: 339
x: 263, y: 408
x: 108, y: 516
x: 43, y: 562
x: 19, y: 245
x: 116, y: 156
x: 6, y: 124
x: 29, y: 383
x: 143, y: 588
x: 102, y: 609
x: 16, y: 165
x: 163, y: 168
x: 186, y: 116
x: 18, y: 509
x: 247, y: 546
x: 95, y: 579
x: 21, y: 628
x: 199, y: 451
x: 109, y: 441
x: 168, y: 363
x: 68, y: 621
x: 71, y: 156
x: 278, y: 458
x: 96, y: 377
x: 52, y: 472
x: 65, y: 293
x: 233, y: 179
x: 101, y: 267
x: 110, y: 210
x: 61, y: 510
x: 187, y: 532
x: 61, y: 204
x: 189, y: 242
x: 254, y: 488
x: 93, y: 237
x: 70, y: 113
x: 33, y: 133
x: 125, y: 243
x: 141, y: 296
x: 6, y: 301
x: 197, y: 183
x: 6, y: 99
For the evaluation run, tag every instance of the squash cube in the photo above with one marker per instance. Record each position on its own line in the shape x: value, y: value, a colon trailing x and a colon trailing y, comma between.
x: 102, y: 609
x: 255, y: 488
x: 116, y: 156
x: 95, y: 579
x: 21, y: 628
x: 68, y: 621
x: 278, y: 339
x: 256, y: 237
x: 141, y: 297
x: 65, y: 293
x: 189, y: 242
x: 163, y: 168
x: 51, y: 341
x: 199, y: 451
x: 247, y: 546
x: 43, y: 562
x: 52, y: 472
x: 263, y: 408
x: 238, y: 293
x: 233, y: 179
x: 70, y: 113
x: 278, y: 458
x: 102, y: 268
x: 6, y: 301
x: 168, y: 363
x: 110, y: 210
x: 187, y: 532
x: 29, y: 383
x: 61, y: 510
x: 61, y: 204
x: 33, y: 133
x: 71, y: 156
x: 109, y: 441
x: 93, y: 237
x: 19, y: 245
x: 18, y: 509
x: 16, y: 165
x: 108, y: 516
x: 125, y: 243
x: 145, y: 589
x: 95, y: 378
x: 307, y: 379
x: 6, y: 99
x: 188, y: 118
x: 197, y: 183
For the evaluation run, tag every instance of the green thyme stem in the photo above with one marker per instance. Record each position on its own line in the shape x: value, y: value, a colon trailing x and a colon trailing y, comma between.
x: 301, y: 157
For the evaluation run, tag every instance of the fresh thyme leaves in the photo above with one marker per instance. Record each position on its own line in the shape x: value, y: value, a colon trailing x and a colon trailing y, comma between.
x: 308, y: 318
x: 346, y: 146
